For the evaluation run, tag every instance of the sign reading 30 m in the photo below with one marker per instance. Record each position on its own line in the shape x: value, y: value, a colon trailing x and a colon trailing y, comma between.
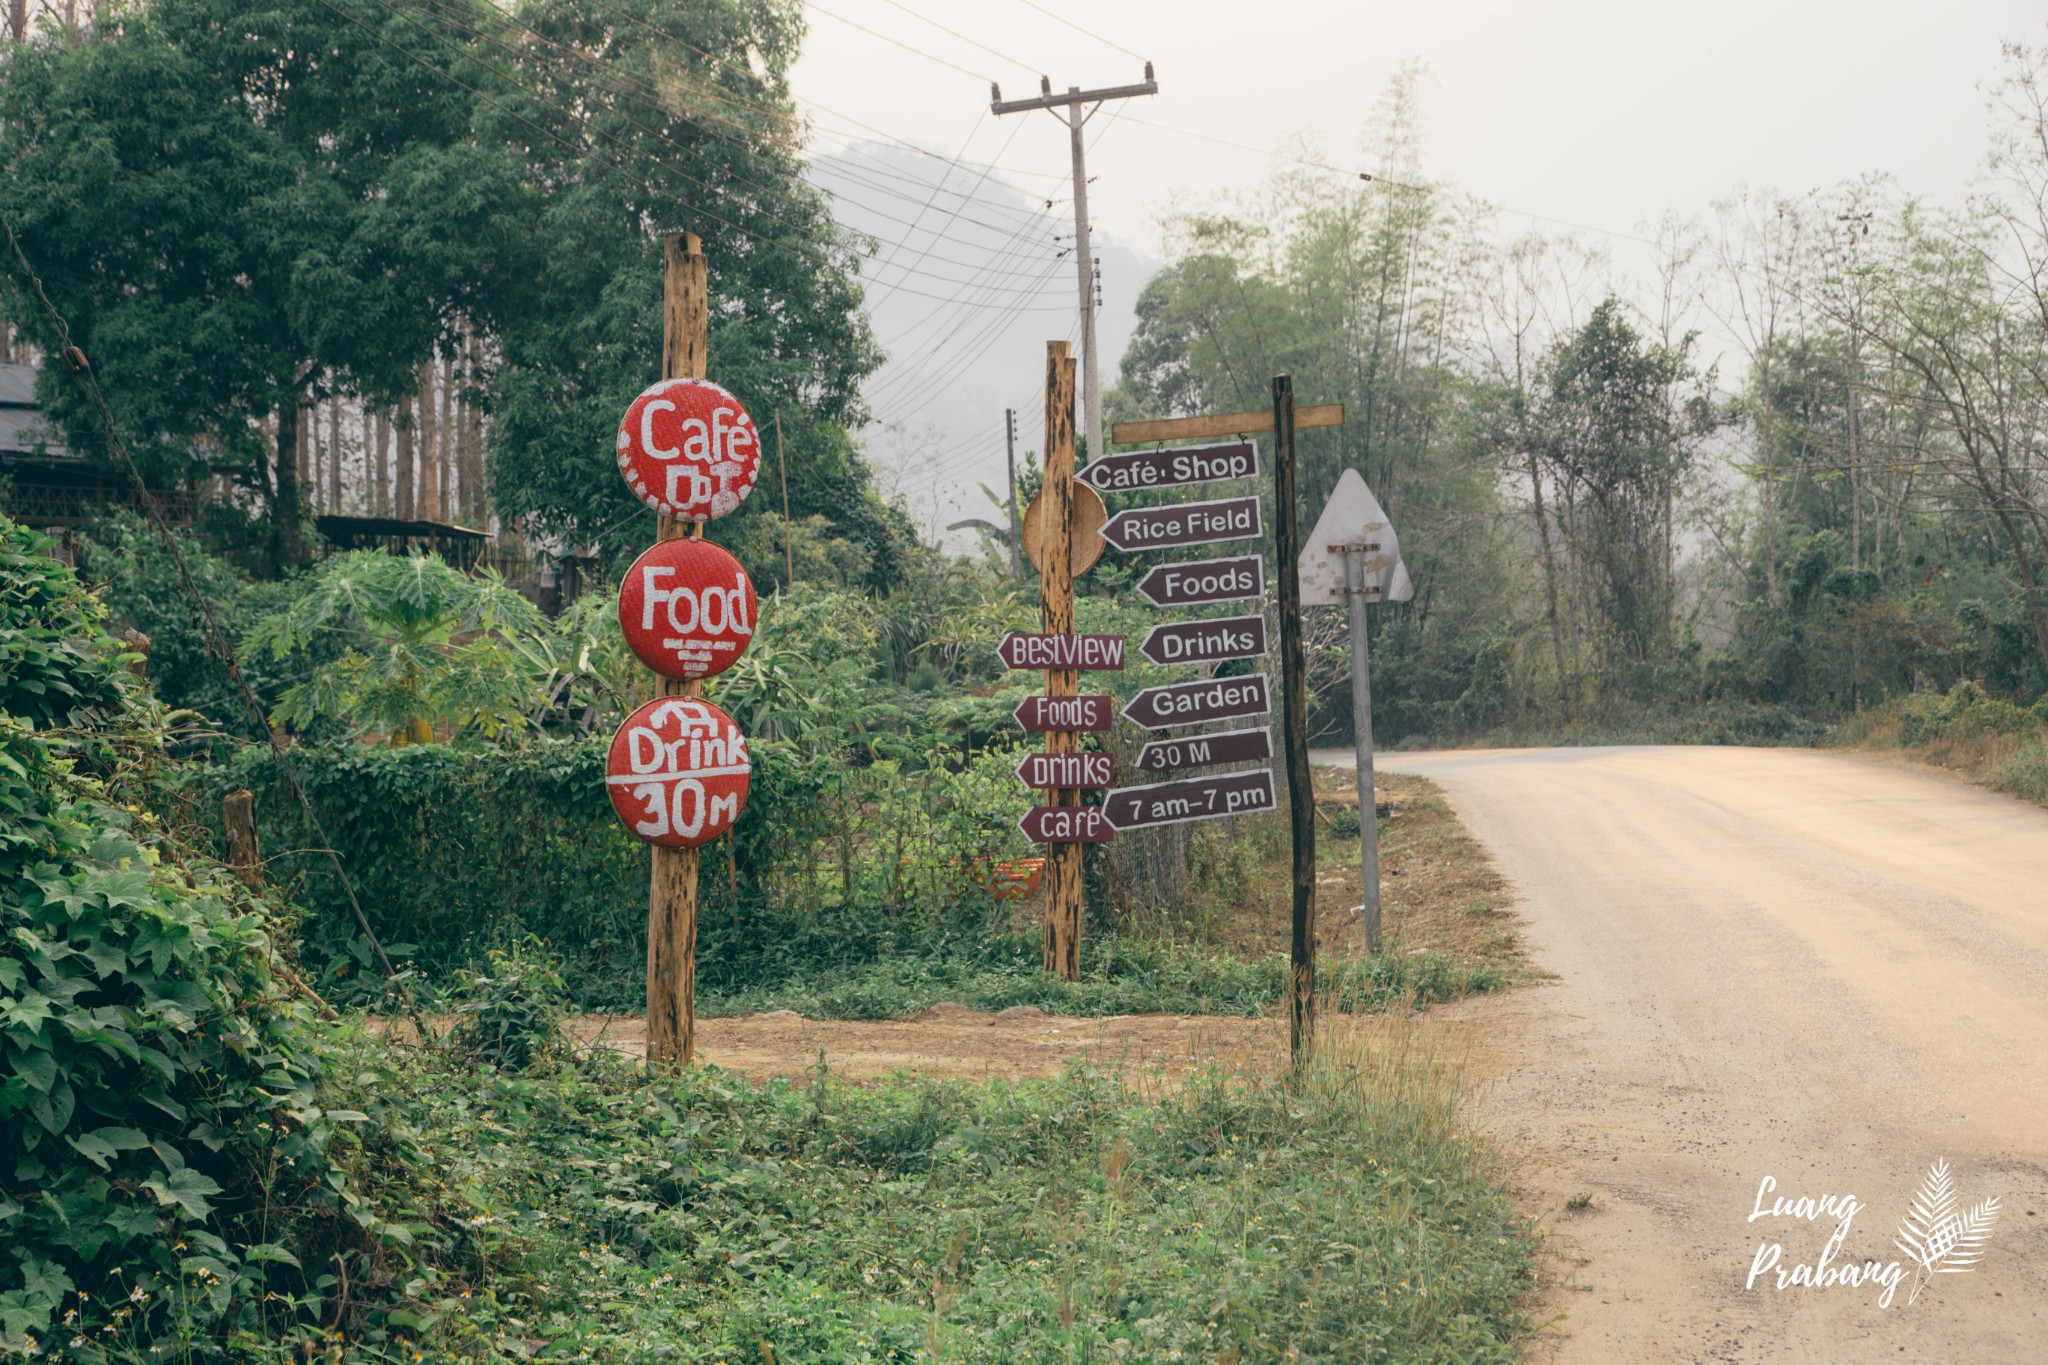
x: 689, y: 450
x: 678, y: 772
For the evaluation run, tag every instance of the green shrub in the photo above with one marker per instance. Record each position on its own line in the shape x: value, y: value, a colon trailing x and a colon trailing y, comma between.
x: 1965, y: 711
x: 173, y: 1166
x: 510, y: 1017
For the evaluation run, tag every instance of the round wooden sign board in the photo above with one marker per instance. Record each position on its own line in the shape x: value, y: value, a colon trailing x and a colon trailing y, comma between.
x: 1090, y: 516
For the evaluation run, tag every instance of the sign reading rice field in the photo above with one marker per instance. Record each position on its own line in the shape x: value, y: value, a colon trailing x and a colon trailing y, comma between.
x: 678, y: 772
x: 687, y: 609
x: 1183, y: 523
x: 689, y: 450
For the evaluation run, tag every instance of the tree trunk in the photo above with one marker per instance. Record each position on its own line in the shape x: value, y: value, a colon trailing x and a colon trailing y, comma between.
x: 402, y: 485
x: 429, y: 505
x: 1549, y: 581
x: 285, y: 533
x: 475, y: 497
x: 334, y: 455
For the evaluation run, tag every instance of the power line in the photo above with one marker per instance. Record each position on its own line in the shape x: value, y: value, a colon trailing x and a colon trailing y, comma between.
x: 1078, y: 29
x: 897, y: 42
x: 1000, y: 56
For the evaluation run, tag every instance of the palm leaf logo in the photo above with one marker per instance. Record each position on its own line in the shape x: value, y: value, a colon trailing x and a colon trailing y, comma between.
x: 1938, y: 1234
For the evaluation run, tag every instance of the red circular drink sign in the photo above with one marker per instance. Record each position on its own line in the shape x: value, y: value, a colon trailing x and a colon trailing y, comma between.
x: 678, y: 772
x: 687, y: 608
x: 688, y: 449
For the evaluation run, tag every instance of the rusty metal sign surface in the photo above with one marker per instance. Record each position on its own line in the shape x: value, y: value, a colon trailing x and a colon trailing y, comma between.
x: 1027, y: 649
x: 678, y: 772
x: 1143, y: 469
x: 1051, y: 772
x: 1190, y: 703
x: 1184, y: 523
x: 1040, y: 714
x: 688, y: 449
x: 1190, y: 798
x: 1205, y: 580
x: 1205, y: 642
x: 1066, y: 825
x: 1197, y: 751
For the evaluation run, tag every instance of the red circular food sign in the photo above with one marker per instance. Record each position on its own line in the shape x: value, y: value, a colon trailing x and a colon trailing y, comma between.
x: 689, y: 450
x: 678, y: 772
x: 687, y: 608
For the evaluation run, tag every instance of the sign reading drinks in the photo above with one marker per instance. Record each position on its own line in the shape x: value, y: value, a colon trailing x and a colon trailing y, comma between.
x: 1205, y: 580
x: 678, y: 772
x: 1022, y: 649
x: 1157, y: 708
x: 1066, y: 825
x: 1171, y: 468
x: 689, y: 450
x: 1183, y: 523
x: 1205, y: 642
x: 1058, y: 771
x: 1197, y: 751
x: 1039, y: 714
x: 687, y: 609
x: 1190, y: 798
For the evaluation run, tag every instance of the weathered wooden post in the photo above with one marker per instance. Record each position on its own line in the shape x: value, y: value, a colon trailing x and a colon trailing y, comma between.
x: 1301, y: 794
x: 238, y: 820
x: 1063, y: 891
x: 672, y: 898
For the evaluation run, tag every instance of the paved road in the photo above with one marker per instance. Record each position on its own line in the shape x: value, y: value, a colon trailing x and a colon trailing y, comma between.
x: 1810, y: 966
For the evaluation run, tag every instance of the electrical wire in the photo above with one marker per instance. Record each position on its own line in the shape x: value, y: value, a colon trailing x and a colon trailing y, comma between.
x: 897, y: 42
x: 1078, y: 29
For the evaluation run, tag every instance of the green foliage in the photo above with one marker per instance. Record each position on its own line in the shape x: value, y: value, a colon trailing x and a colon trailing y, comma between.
x: 419, y: 642
x: 173, y: 1166
x: 1966, y: 711
x: 510, y: 1015
x: 1042, y: 1221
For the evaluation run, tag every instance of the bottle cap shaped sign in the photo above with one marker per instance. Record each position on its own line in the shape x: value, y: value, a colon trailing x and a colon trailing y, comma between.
x: 687, y: 609
x: 688, y: 450
x: 678, y: 772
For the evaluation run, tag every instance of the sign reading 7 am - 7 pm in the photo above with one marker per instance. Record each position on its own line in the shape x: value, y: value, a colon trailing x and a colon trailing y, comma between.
x: 1190, y: 798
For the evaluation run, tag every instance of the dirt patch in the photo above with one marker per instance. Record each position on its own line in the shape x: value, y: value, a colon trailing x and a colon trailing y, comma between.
x: 948, y: 1040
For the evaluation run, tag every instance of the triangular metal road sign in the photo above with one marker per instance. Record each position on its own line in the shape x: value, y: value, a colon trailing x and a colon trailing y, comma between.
x: 1352, y: 516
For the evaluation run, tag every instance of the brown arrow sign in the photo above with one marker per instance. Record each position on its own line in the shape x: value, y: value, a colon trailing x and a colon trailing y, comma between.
x: 1066, y: 825
x: 1184, y: 523
x: 1190, y: 798
x: 1058, y: 771
x: 1188, y: 703
x: 1023, y: 649
x: 1205, y: 580
x: 1039, y: 714
x: 1206, y: 642
x: 1171, y: 468
x: 1195, y: 751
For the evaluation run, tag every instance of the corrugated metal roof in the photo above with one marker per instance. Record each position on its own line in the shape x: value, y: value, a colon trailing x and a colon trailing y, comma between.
x: 17, y: 386
x: 22, y: 428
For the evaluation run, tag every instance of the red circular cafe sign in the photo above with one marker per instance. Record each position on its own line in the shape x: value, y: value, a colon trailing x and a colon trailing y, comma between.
x: 688, y: 449
x: 678, y: 772
x: 687, y: 608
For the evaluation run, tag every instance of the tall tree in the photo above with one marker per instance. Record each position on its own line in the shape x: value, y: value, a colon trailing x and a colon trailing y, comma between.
x: 244, y: 211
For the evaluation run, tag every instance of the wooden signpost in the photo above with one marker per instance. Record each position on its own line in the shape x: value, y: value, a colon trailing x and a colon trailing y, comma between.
x: 678, y: 768
x: 1147, y: 471
x: 1197, y: 751
x: 1204, y: 699
x: 1205, y: 580
x: 1205, y: 642
x: 1063, y: 889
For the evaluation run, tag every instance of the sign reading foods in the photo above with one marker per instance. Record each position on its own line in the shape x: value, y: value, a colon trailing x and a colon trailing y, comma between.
x: 1205, y: 580
x: 678, y: 772
x: 689, y: 450
x: 687, y: 609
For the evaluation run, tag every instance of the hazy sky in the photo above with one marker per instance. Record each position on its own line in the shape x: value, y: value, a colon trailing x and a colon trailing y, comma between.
x: 1604, y: 113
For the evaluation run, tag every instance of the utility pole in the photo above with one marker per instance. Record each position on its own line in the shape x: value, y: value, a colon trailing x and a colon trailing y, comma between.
x: 1084, y: 258
x: 1016, y: 535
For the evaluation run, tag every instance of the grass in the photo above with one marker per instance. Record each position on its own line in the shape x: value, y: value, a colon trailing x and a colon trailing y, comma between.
x: 1118, y: 976
x: 1991, y: 743
x: 1340, y: 1215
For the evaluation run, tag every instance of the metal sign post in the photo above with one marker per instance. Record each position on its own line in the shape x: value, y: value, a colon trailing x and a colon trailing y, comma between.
x: 1354, y: 557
